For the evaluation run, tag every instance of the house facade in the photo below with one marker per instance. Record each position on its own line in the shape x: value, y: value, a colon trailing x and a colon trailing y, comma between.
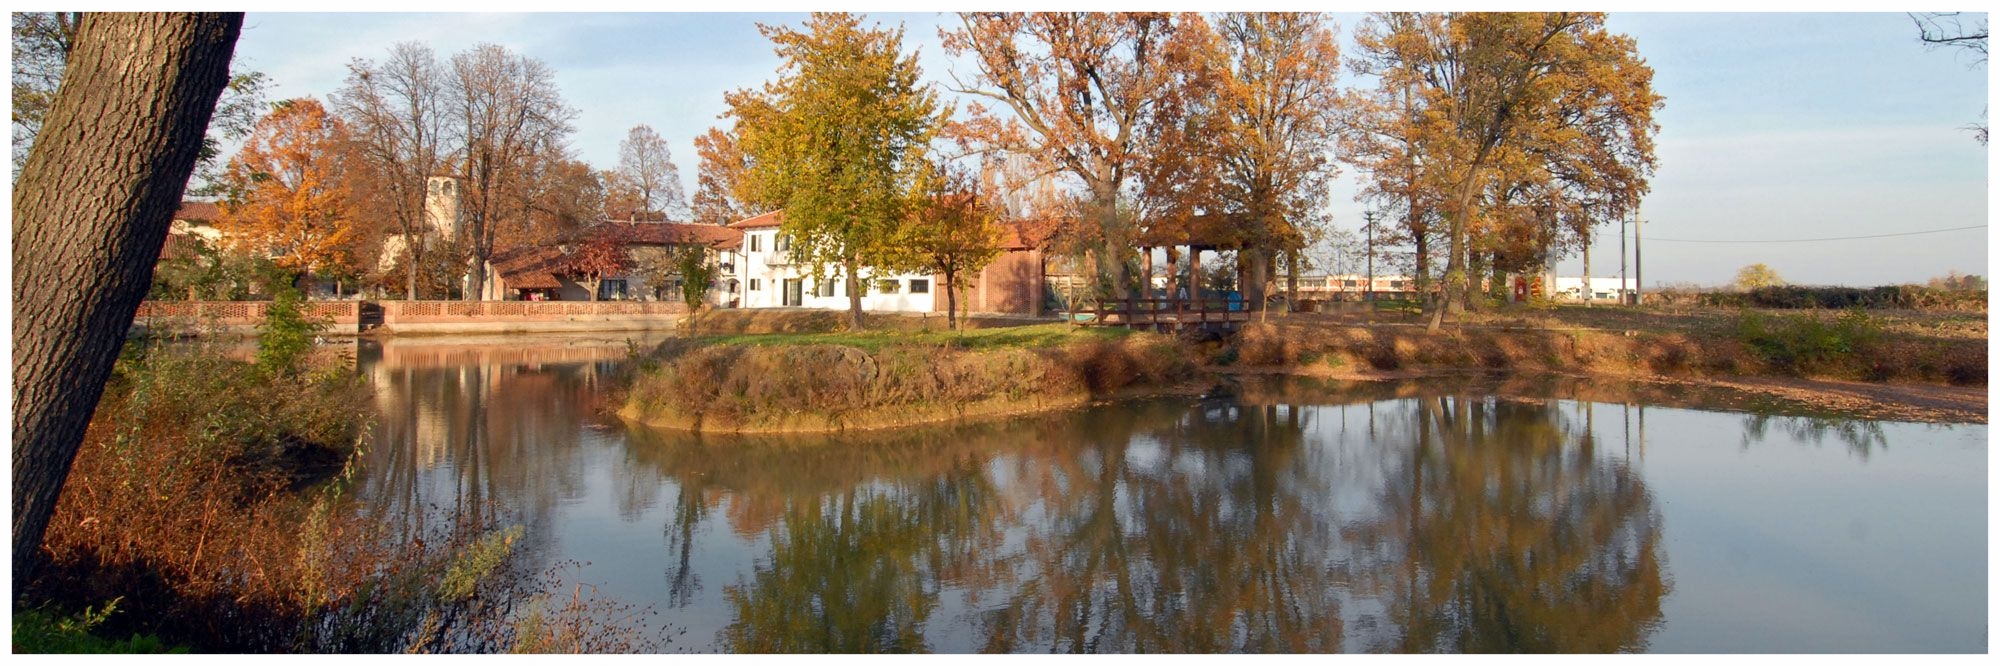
x: 772, y: 278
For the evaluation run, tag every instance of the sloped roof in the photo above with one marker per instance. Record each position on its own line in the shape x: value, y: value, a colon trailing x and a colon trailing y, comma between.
x: 198, y: 210
x: 529, y: 267
x: 673, y: 233
x: 771, y: 219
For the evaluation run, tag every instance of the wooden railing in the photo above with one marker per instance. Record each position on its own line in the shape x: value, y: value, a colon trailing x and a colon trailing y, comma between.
x: 1165, y: 313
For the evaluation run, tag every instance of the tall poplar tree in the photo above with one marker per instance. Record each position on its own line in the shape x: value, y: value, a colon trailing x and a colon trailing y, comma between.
x: 837, y: 142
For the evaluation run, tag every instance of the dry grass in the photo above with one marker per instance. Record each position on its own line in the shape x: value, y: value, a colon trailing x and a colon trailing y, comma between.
x: 1886, y: 347
x: 208, y: 501
x: 806, y: 384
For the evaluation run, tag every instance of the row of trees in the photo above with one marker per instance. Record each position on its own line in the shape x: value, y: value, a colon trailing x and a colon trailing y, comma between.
x: 319, y: 188
x: 1503, y: 139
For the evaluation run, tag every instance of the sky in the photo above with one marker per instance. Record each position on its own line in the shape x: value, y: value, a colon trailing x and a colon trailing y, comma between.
x: 1777, y: 127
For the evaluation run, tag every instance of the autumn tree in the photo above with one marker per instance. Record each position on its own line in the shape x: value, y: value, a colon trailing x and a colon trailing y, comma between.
x: 394, y: 111
x: 1088, y: 95
x: 91, y: 209
x: 719, y: 179
x: 646, y: 165
x: 289, y: 196
x: 1757, y: 276
x: 1267, y: 130
x: 599, y: 256
x: 507, y: 118
x: 1529, y: 126
x: 953, y: 230
x: 837, y: 142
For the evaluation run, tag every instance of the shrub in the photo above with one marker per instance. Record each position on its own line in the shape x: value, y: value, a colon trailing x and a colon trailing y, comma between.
x: 210, y: 496
x: 286, y: 334
x: 1805, y: 344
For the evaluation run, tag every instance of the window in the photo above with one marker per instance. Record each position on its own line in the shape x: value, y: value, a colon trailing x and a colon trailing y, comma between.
x: 755, y: 285
x: 920, y: 286
x: 825, y: 287
x: 611, y: 290
x: 784, y: 243
x: 888, y: 286
x: 753, y: 246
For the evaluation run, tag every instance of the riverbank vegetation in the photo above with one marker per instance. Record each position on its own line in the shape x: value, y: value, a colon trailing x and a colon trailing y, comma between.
x: 208, y: 510
x: 815, y: 382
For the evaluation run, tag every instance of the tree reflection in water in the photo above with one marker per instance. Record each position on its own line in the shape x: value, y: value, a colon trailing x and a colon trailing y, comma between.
x: 1459, y: 525
x: 1281, y: 522
x: 1500, y: 531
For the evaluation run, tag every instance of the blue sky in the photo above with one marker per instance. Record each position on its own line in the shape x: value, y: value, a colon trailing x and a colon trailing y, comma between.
x: 1777, y: 126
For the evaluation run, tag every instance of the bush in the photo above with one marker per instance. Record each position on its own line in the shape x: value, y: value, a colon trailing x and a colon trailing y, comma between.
x: 209, y: 495
x: 1805, y: 344
x: 1904, y: 297
x: 286, y: 335
x: 46, y: 632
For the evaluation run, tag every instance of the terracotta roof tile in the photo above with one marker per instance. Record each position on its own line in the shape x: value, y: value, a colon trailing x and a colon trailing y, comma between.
x: 198, y: 210
x: 771, y: 219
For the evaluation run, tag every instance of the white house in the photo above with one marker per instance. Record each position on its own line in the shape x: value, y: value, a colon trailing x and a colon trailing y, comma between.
x: 1601, y: 288
x: 771, y: 278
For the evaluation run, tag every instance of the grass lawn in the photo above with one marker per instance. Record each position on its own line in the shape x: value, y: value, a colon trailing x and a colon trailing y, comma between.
x: 1023, y: 337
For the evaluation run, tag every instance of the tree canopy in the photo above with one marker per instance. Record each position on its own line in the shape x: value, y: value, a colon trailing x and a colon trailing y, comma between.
x: 837, y: 142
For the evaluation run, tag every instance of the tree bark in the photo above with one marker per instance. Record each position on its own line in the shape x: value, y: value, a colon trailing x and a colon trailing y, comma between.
x: 853, y: 294
x: 91, y: 209
x: 951, y: 300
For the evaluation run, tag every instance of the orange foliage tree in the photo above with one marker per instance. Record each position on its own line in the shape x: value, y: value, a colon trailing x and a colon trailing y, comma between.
x: 1092, y: 96
x: 1529, y: 130
x: 289, y: 192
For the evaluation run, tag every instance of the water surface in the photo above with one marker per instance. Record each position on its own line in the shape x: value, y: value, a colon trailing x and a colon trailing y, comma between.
x: 1442, y: 516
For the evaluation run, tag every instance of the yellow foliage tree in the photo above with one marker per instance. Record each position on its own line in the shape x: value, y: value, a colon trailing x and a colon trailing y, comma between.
x: 289, y: 192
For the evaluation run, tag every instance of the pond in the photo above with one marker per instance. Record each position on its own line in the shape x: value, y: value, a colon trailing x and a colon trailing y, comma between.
x: 1295, y: 516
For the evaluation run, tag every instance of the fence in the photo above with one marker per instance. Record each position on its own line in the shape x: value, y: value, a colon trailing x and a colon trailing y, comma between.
x: 342, y: 317
x: 409, y: 312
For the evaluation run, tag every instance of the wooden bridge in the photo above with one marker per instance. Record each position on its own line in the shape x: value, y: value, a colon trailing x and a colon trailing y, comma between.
x: 1167, y: 315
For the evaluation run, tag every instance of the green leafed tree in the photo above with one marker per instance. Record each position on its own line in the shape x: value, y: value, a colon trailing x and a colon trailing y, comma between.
x: 837, y: 142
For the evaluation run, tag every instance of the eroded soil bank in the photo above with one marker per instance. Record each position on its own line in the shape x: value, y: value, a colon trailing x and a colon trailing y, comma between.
x: 798, y: 373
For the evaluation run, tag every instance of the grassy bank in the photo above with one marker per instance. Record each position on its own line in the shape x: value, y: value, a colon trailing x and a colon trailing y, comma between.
x: 1847, y: 345
x: 830, y: 381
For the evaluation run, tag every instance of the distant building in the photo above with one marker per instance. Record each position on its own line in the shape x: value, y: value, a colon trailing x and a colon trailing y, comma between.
x: 1601, y: 288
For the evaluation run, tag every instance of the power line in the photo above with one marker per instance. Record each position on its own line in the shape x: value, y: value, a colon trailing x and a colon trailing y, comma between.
x: 1815, y: 240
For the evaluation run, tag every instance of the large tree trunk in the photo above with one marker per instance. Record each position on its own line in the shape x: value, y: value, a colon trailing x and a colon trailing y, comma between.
x: 91, y: 209
x: 854, y: 321
x: 1256, y: 272
x: 1455, y: 283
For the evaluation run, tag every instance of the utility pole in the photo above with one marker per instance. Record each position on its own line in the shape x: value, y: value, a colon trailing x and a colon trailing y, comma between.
x: 1638, y: 279
x: 1369, y: 290
x: 1586, y: 265
x: 1621, y: 261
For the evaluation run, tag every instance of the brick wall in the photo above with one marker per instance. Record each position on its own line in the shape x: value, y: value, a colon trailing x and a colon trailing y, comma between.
x: 444, y: 312
x: 1011, y: 284
x: 242, y: 313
